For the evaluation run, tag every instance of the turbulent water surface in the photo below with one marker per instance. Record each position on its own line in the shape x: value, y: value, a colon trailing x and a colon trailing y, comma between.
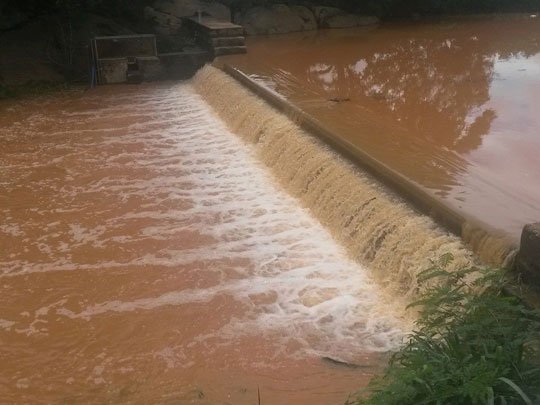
x: 452, y: 105
x: 186, y: 243
x: 148, y: 257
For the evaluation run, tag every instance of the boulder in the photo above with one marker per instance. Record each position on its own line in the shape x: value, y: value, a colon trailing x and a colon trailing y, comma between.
x: 307, y: 15
x: 190, y: 8
x: 331, y: 17
x: 183, y: 65
x: 321, y: 13
x: 528, y: 258
x: 278, y: 19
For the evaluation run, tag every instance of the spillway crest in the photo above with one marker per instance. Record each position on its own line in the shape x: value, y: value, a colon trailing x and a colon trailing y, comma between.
x: 376, y: 227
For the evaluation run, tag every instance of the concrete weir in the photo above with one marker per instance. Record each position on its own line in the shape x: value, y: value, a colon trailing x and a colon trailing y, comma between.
x: 490, y: 245
x: 374, y: 225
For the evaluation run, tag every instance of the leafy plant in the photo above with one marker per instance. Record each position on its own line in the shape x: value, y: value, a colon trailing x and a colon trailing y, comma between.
x: 474, y: 344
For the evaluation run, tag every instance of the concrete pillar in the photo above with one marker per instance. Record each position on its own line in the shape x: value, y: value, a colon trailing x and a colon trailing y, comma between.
x: 528, y: 258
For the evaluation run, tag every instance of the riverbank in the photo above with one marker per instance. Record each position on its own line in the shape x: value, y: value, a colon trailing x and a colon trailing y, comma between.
x: 473, y: 343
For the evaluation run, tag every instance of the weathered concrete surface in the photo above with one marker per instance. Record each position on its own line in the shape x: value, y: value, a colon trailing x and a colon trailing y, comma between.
x: 218, y: 37
x: 214, y: 27
x: 528, y: 258
x: 150, y: 67
x: 183, y: 65
x: 113, y: 70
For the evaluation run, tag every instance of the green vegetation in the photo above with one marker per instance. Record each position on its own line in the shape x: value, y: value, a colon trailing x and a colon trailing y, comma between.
x: 474, y: 344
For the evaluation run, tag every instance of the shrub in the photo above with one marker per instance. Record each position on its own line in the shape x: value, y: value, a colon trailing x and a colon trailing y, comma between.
x: 474, y: 344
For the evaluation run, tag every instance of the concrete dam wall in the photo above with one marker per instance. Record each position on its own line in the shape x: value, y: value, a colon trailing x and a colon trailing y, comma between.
x: 377, y: 227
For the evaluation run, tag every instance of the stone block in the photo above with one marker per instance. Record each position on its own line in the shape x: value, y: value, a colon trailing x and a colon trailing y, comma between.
x: 113, y: 70
x: 528, y: 258
x: 150, y: 67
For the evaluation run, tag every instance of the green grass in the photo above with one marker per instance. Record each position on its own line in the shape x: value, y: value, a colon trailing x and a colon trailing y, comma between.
x: 473, y: 344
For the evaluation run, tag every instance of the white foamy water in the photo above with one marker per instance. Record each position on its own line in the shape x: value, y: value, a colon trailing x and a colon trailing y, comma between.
x: 165, y: 186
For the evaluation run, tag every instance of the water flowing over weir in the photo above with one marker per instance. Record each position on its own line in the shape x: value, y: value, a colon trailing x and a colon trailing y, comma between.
x: 148, y: 257
x: 431, y: 109
x: 377, y: 228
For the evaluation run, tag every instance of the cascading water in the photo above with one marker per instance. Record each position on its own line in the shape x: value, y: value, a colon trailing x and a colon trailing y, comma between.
x: 377, y: 228
x: 147, y: 256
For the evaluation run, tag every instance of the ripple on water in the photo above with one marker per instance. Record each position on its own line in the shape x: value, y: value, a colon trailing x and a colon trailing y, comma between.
x: 156, y: 246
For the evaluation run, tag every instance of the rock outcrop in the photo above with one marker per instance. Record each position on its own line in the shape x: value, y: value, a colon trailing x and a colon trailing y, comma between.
x: 190, y: 8
x: 307, y: 15
x: 331, y: 17
x: 259, y: 20
x: 278, y: 19
x: 164, y: 24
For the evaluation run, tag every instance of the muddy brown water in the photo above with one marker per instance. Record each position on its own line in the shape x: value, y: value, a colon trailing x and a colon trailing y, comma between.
x: 452, y: 105
x: 148, y: 254
x: 148, y: 257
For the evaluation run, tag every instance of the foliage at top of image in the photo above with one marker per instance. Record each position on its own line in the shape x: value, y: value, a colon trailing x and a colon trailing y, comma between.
x: 474, y: 344
x: 131, y: 9
x: 113, y: 8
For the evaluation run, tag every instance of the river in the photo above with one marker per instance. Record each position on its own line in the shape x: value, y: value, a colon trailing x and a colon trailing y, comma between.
x: 148, y: 257
x: 451, y: 104
x: 177, y: 243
